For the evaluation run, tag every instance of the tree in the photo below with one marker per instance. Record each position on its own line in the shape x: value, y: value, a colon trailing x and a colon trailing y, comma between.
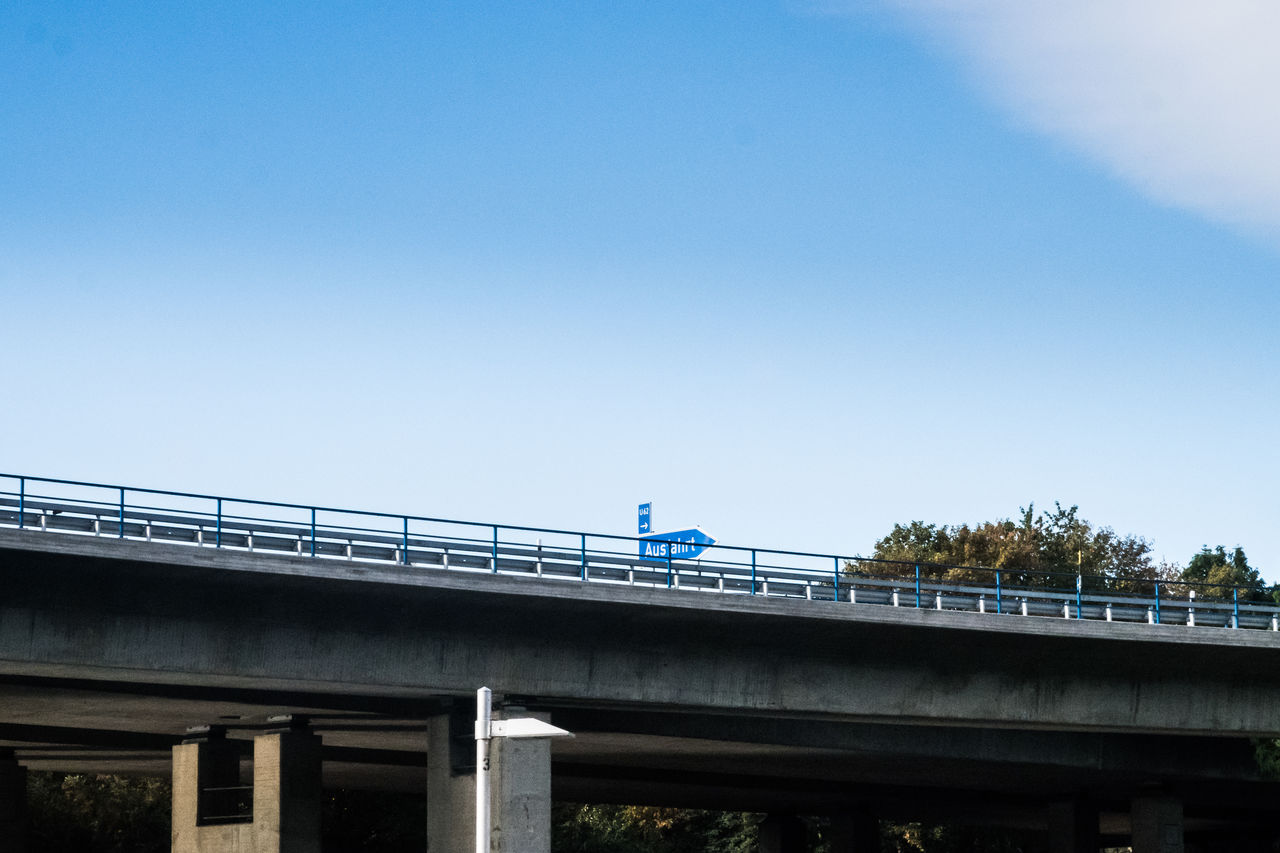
x: 1039, y: 549
x: 91, y: 813
x: 644, y: 829
x: 1221, y: 571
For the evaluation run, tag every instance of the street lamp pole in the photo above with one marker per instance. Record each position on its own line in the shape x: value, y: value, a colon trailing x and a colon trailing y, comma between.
x: 484, y: 718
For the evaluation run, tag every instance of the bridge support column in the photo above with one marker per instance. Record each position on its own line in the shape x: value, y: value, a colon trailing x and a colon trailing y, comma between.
x: 451, y: 783
x: 520, y: 795
x: 286, y: 795
x: 205, y: 761
x: 287, y: 792
x: 521, y: 790
x: 782, y: 833
x: 854, y: 832
x: 1157, y: 824
x: 13, y: 804
x: 1073, y: 827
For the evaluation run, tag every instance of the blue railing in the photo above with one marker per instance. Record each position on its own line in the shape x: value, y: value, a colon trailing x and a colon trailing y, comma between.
x: 421, y: 542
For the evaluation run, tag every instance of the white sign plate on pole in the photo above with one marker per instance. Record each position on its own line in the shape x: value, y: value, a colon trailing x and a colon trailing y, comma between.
x: 525, y: 727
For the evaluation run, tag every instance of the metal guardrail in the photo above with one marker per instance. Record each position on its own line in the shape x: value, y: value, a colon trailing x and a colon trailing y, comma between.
x: 414, y: 542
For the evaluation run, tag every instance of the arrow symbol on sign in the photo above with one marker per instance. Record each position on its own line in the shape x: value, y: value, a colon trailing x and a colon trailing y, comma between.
x: 677, y: 545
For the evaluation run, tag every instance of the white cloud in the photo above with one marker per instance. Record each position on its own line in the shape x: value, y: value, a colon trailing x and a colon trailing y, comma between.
x: 1178, y: 97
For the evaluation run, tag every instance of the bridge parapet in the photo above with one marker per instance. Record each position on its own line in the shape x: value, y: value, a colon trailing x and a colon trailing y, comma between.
x: 327, y: 534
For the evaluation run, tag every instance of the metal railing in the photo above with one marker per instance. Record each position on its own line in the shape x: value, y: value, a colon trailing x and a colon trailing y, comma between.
x: 225, y: 804
x: 418, y: 542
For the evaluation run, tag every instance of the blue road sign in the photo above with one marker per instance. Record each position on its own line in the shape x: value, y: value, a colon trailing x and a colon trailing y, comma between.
x: 680, y: 544
x: 645, y: 518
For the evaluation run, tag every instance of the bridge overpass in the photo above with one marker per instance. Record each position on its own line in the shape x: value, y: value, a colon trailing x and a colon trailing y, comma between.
x: 727, y: 684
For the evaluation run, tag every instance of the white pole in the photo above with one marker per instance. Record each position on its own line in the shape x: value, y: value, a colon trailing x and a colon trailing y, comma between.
x: 484, y: 714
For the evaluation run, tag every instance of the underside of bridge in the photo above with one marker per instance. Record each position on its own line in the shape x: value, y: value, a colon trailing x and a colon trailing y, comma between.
x: 992, y: 777
x: 107, y: 661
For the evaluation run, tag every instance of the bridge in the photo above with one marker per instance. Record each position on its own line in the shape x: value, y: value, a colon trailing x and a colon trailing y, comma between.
x: 258, y: 651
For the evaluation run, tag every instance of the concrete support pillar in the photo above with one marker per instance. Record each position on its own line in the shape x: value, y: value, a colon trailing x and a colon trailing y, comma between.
x: 1157, y: 824
x: 205, y: 761
x: 13, y: 804
x: 287, y: 795
x: 451, y: 783
x: 854, y: 832
x: 1073, y: 827
x: 287, y: 792
x: 782, y: 833
x: 520, y: 787
x: 520, y: 783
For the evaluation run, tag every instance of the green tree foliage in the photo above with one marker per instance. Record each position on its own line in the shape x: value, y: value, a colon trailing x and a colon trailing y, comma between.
x: 1217, y: 568
x: 642, y: 829
x: 954, y: 838
x: 1029, y: 551
x: 1266, y: 751
x: 85, y: 813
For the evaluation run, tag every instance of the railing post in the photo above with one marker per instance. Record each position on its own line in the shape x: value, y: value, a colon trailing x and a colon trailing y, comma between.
x: 313, y: 531
x: 22, y: 499
x: 122, y: 513
x: 1157, y: 602
x: 999, y: 596
x: 1235, y: 607
x: 584, y: 555
x: 495, y: 549
x: 217, y: 535
x: 917, y: 586
x: 835, y: 579
x: 667, y: 548
x: 404, y: 541
x: 753, y: 571
x: 1079, y: 595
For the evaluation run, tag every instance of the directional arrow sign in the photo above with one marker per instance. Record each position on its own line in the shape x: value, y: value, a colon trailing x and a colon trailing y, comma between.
x: 678, y: 544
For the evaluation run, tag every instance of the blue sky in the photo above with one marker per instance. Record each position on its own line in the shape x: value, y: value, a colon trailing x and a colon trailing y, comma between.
x: 792, y: 271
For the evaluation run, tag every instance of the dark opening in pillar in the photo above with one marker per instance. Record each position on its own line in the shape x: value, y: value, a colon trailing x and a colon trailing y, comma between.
x: 225, y: 793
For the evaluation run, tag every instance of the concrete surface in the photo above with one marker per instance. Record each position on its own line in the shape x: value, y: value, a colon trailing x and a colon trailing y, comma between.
x: 109, y: 649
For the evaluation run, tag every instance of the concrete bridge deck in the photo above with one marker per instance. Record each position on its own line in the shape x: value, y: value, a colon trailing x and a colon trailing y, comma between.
x: 110, y: 648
